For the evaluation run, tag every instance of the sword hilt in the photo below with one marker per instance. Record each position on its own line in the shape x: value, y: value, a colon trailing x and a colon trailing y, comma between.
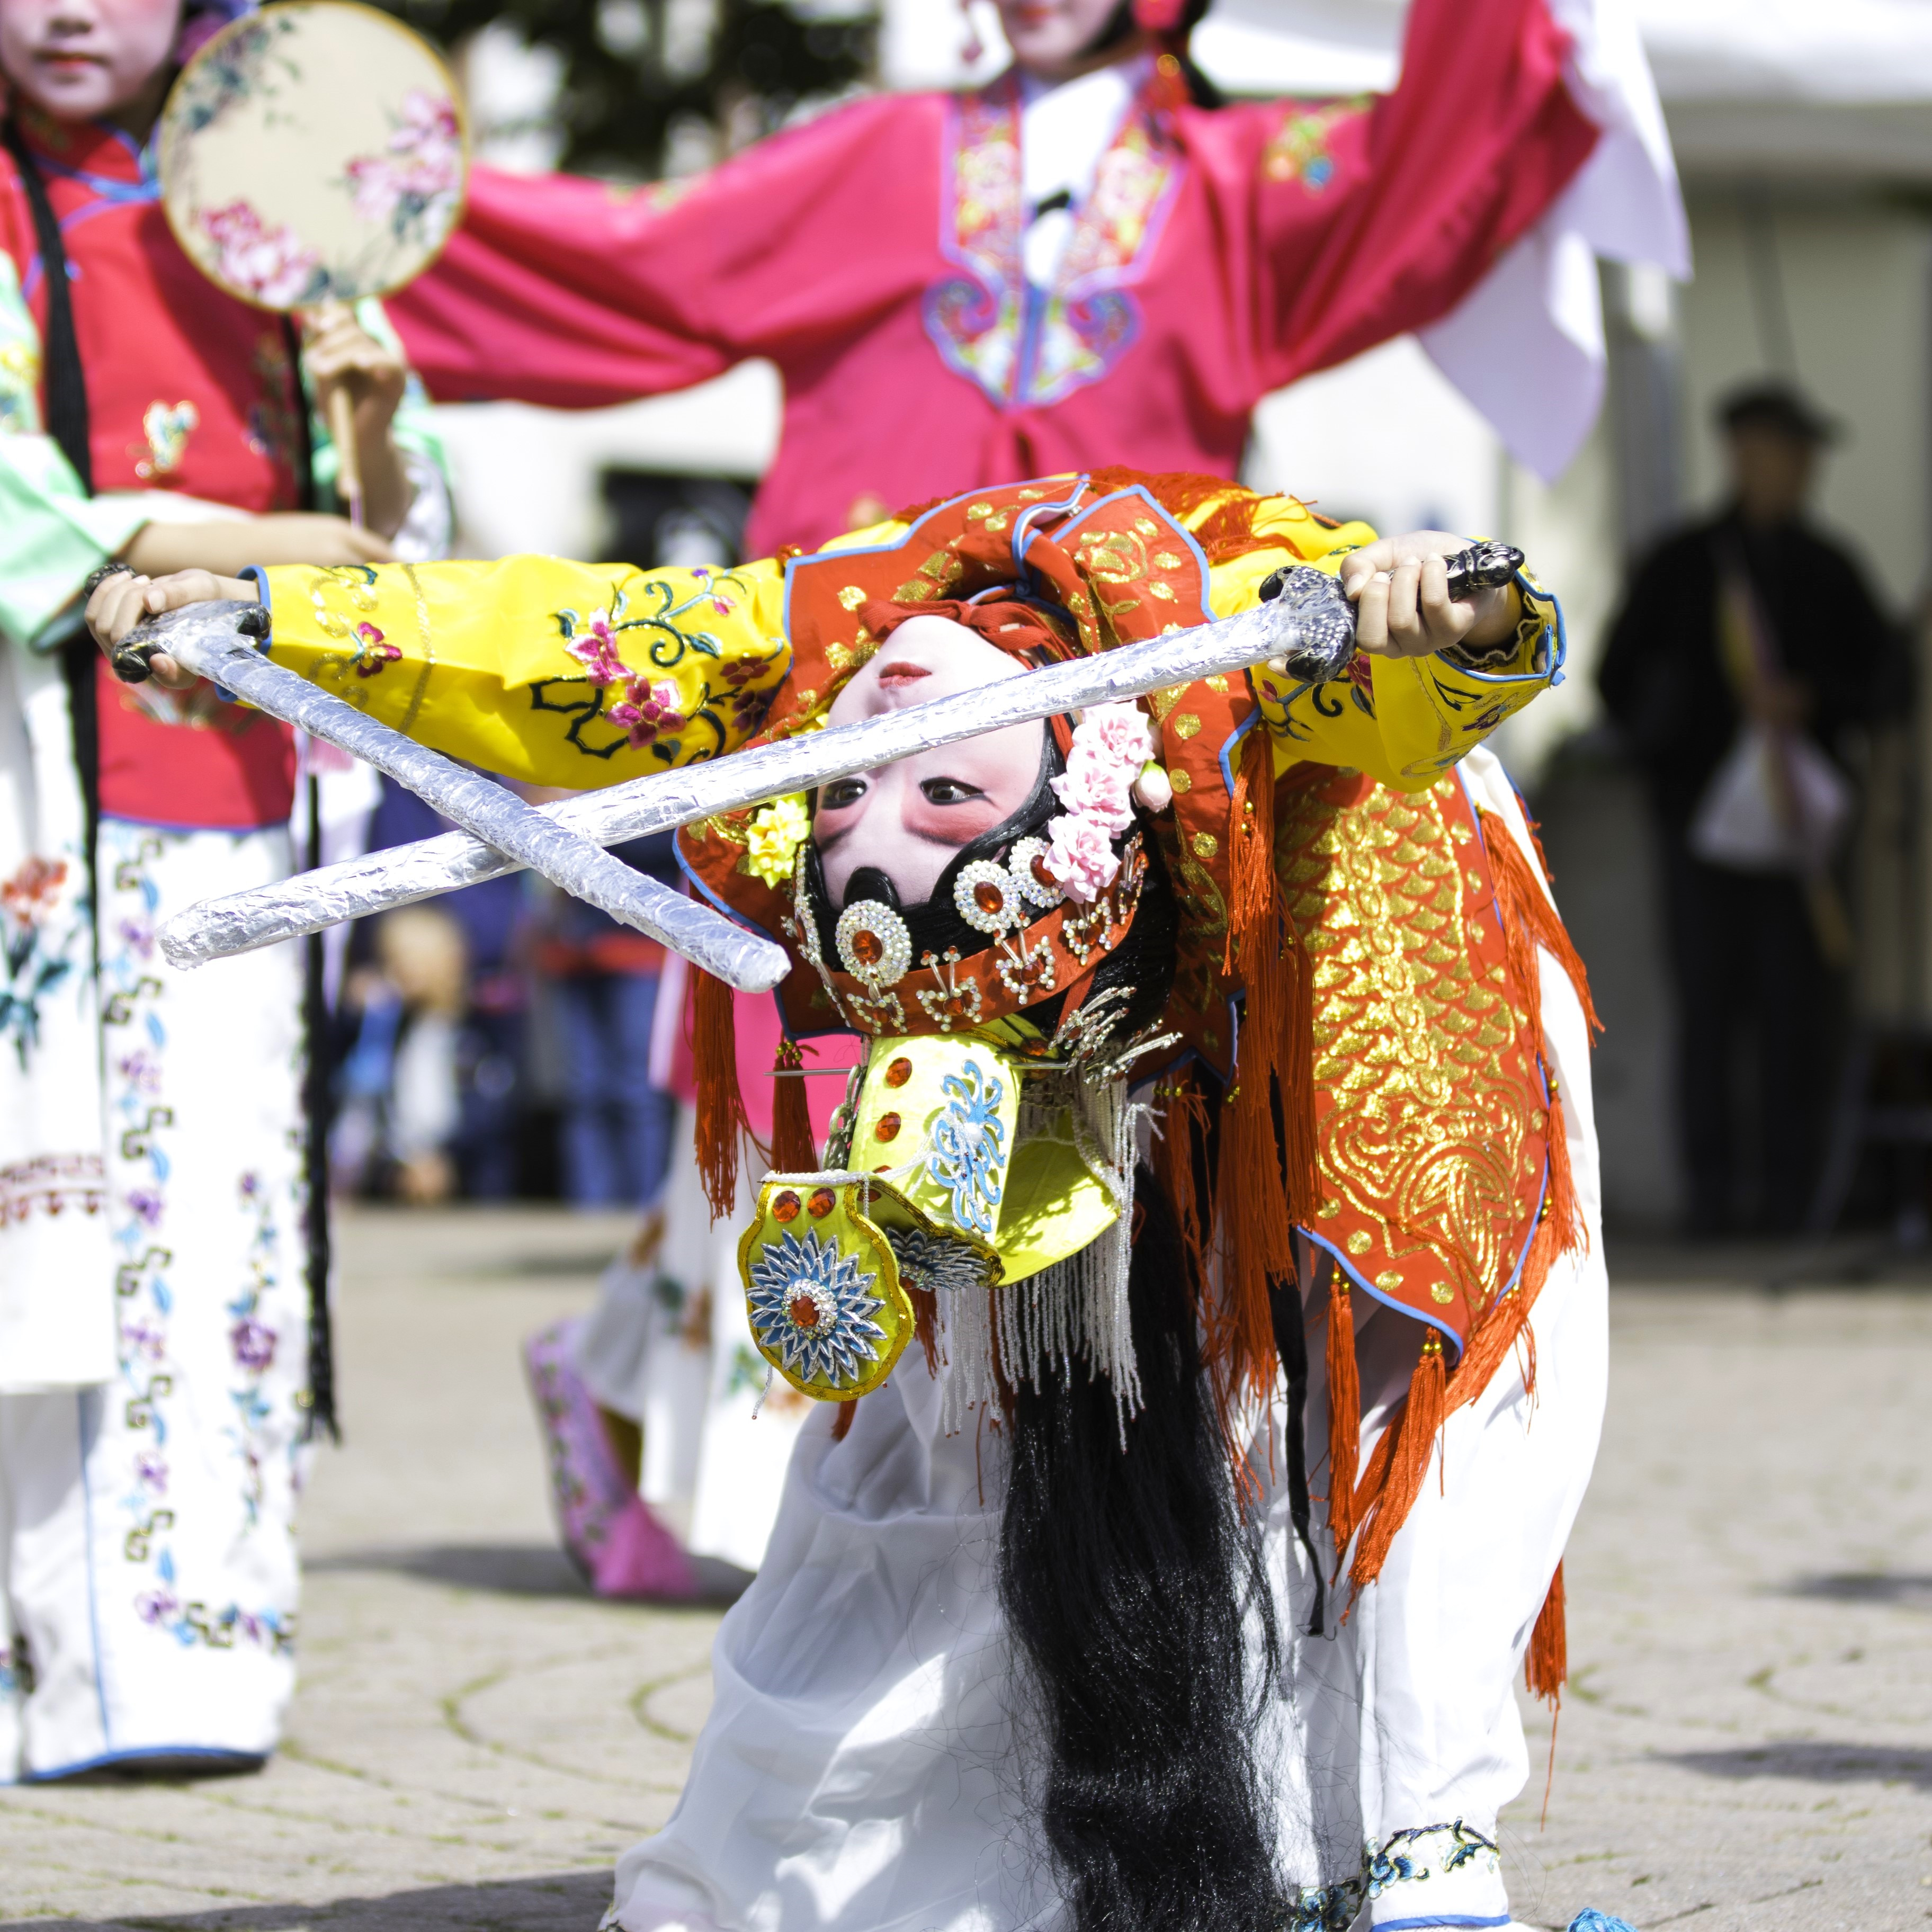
x: 131, y: 660
x: 1325, y: 618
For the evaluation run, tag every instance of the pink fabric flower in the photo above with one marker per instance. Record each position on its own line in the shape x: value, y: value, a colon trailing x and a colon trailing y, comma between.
x: 1111, y: 744
x: 595, y: 648
x: 1096, y: 785
x: 1121, y: 729
x: 1081, y: 857
x: 648, y: 712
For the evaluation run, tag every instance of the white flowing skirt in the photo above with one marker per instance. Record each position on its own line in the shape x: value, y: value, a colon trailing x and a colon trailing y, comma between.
x: 865, y: 1764
x: 148, y: 1573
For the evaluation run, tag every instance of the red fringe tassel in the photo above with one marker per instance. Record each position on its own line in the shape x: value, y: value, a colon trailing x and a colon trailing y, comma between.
x: 793, y: 1150
x: 1547, y: 1668
x: 1413, y: 1435
x: 1530, y: 919
x: 1344, y: 1415
x: 721, y: 1119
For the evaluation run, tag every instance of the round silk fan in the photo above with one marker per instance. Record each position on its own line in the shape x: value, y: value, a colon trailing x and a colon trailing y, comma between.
x: 314, y: 151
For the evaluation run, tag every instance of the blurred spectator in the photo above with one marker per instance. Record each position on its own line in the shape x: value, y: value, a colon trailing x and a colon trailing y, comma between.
x: 604, y: 978
x: 401, y: 1109
x: 1748, y: 648
x: 490, y: 1042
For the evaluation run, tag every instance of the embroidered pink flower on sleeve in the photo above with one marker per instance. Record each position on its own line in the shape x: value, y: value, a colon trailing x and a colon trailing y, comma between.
x: 594, y: 647
x: 647, y: 712
x: 373, y: 651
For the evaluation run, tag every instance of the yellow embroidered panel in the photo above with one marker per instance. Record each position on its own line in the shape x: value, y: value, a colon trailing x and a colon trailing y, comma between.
x: 1429, y: 1094
x: 560, y: 673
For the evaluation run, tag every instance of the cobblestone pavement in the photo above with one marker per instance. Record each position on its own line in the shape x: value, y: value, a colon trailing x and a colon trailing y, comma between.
x: 1748, y: 1741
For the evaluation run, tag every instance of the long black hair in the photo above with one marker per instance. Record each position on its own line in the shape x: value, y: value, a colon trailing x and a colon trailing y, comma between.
x: 1127, y: 1573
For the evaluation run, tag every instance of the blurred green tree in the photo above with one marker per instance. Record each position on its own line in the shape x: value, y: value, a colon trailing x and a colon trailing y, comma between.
x: 653, y: 87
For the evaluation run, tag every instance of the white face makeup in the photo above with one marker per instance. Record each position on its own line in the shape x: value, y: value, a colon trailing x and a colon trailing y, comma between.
x: 910, y: 819
x: 83, y: 60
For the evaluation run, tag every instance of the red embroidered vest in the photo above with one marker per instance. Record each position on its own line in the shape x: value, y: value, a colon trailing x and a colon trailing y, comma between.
x: 187, y: 389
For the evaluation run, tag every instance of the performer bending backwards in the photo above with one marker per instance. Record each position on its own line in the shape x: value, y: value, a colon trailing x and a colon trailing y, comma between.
x: 1089, y: 260
x: 153, y: 1307
x: 1212, y: 1467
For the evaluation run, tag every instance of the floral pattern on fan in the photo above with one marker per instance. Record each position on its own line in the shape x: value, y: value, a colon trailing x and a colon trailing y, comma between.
x: 272, y: 264
x: 413, y: 187
x: 312, y: 153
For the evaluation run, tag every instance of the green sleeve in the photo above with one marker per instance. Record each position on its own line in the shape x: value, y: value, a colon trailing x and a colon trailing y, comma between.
x: 52, y: 534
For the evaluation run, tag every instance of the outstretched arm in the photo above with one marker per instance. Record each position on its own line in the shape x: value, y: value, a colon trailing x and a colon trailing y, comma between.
x: 1433, y: 676
x: 1374, y: 219
x: 570, y: 674
x: 574, y: 294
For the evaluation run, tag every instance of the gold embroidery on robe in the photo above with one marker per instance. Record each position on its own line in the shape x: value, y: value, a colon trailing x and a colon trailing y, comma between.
x: 1429, y: 1094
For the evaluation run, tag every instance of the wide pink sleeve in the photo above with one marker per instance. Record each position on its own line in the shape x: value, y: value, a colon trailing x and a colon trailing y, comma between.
x: 570, y: 292
x: 1373, y: 220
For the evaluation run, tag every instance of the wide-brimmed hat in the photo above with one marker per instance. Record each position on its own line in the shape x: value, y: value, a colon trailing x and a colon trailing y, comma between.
x: 1779, y: 406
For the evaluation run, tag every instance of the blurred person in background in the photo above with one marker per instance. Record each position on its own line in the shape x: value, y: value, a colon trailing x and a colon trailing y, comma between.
x: 1749, y: 650
x: 491, y: 1035
x: 656, y: 1404
x: 402, y: 1109
x: 154, y: 1318
x: 1091, y: 260
x: 604, y: 978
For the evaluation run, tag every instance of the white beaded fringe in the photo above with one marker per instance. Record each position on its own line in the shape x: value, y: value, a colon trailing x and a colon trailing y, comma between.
x: 1076, y: 1308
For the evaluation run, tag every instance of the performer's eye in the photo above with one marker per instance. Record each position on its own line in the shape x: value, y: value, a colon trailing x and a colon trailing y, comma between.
x: 949, y: 791
x: 841, y: 792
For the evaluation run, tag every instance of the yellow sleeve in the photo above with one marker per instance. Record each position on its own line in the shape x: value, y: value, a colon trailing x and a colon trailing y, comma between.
x: 1409, y: 719
x: 558, y: 673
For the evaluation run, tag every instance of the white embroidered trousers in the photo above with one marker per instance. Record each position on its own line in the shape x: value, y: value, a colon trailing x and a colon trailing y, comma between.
x: 148, y: 1573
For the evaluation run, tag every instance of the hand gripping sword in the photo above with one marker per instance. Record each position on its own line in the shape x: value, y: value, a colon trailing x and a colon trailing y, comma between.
x: 218, y: 641
x: 1306, y: 624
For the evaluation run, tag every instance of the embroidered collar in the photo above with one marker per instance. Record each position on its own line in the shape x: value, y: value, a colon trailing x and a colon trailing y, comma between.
x: 1022, y: 345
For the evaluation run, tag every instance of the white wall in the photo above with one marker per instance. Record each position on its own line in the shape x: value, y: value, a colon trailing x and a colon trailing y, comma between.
x: 526, y: 479
x: 1856, y: 277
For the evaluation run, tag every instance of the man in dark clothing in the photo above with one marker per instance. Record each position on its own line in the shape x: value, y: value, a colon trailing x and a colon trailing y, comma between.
x: 1811, y: 658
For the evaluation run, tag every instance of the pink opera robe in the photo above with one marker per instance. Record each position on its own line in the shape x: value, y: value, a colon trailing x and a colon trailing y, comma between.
x: 875, y: 256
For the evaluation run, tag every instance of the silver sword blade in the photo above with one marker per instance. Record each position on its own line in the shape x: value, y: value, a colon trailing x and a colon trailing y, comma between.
x: 204, y: 637
x: 311, y: 901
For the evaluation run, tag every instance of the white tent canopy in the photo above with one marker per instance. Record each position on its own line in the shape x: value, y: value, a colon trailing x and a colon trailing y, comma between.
x: 1785, y: 87
x: 1849, y: 52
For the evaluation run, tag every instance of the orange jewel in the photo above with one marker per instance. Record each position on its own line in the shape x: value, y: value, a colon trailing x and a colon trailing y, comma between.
x: 786, y: 1206
x: 899, y: 1072
x: 822, y: 1202
x: 989, y: 897
x: 868, y: 948
x: 888, y: 1128
x: 803, y: 1311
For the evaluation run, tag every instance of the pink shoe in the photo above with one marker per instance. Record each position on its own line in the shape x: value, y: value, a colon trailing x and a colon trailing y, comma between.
x: 641, y: 1558
x: 588, y: 1490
